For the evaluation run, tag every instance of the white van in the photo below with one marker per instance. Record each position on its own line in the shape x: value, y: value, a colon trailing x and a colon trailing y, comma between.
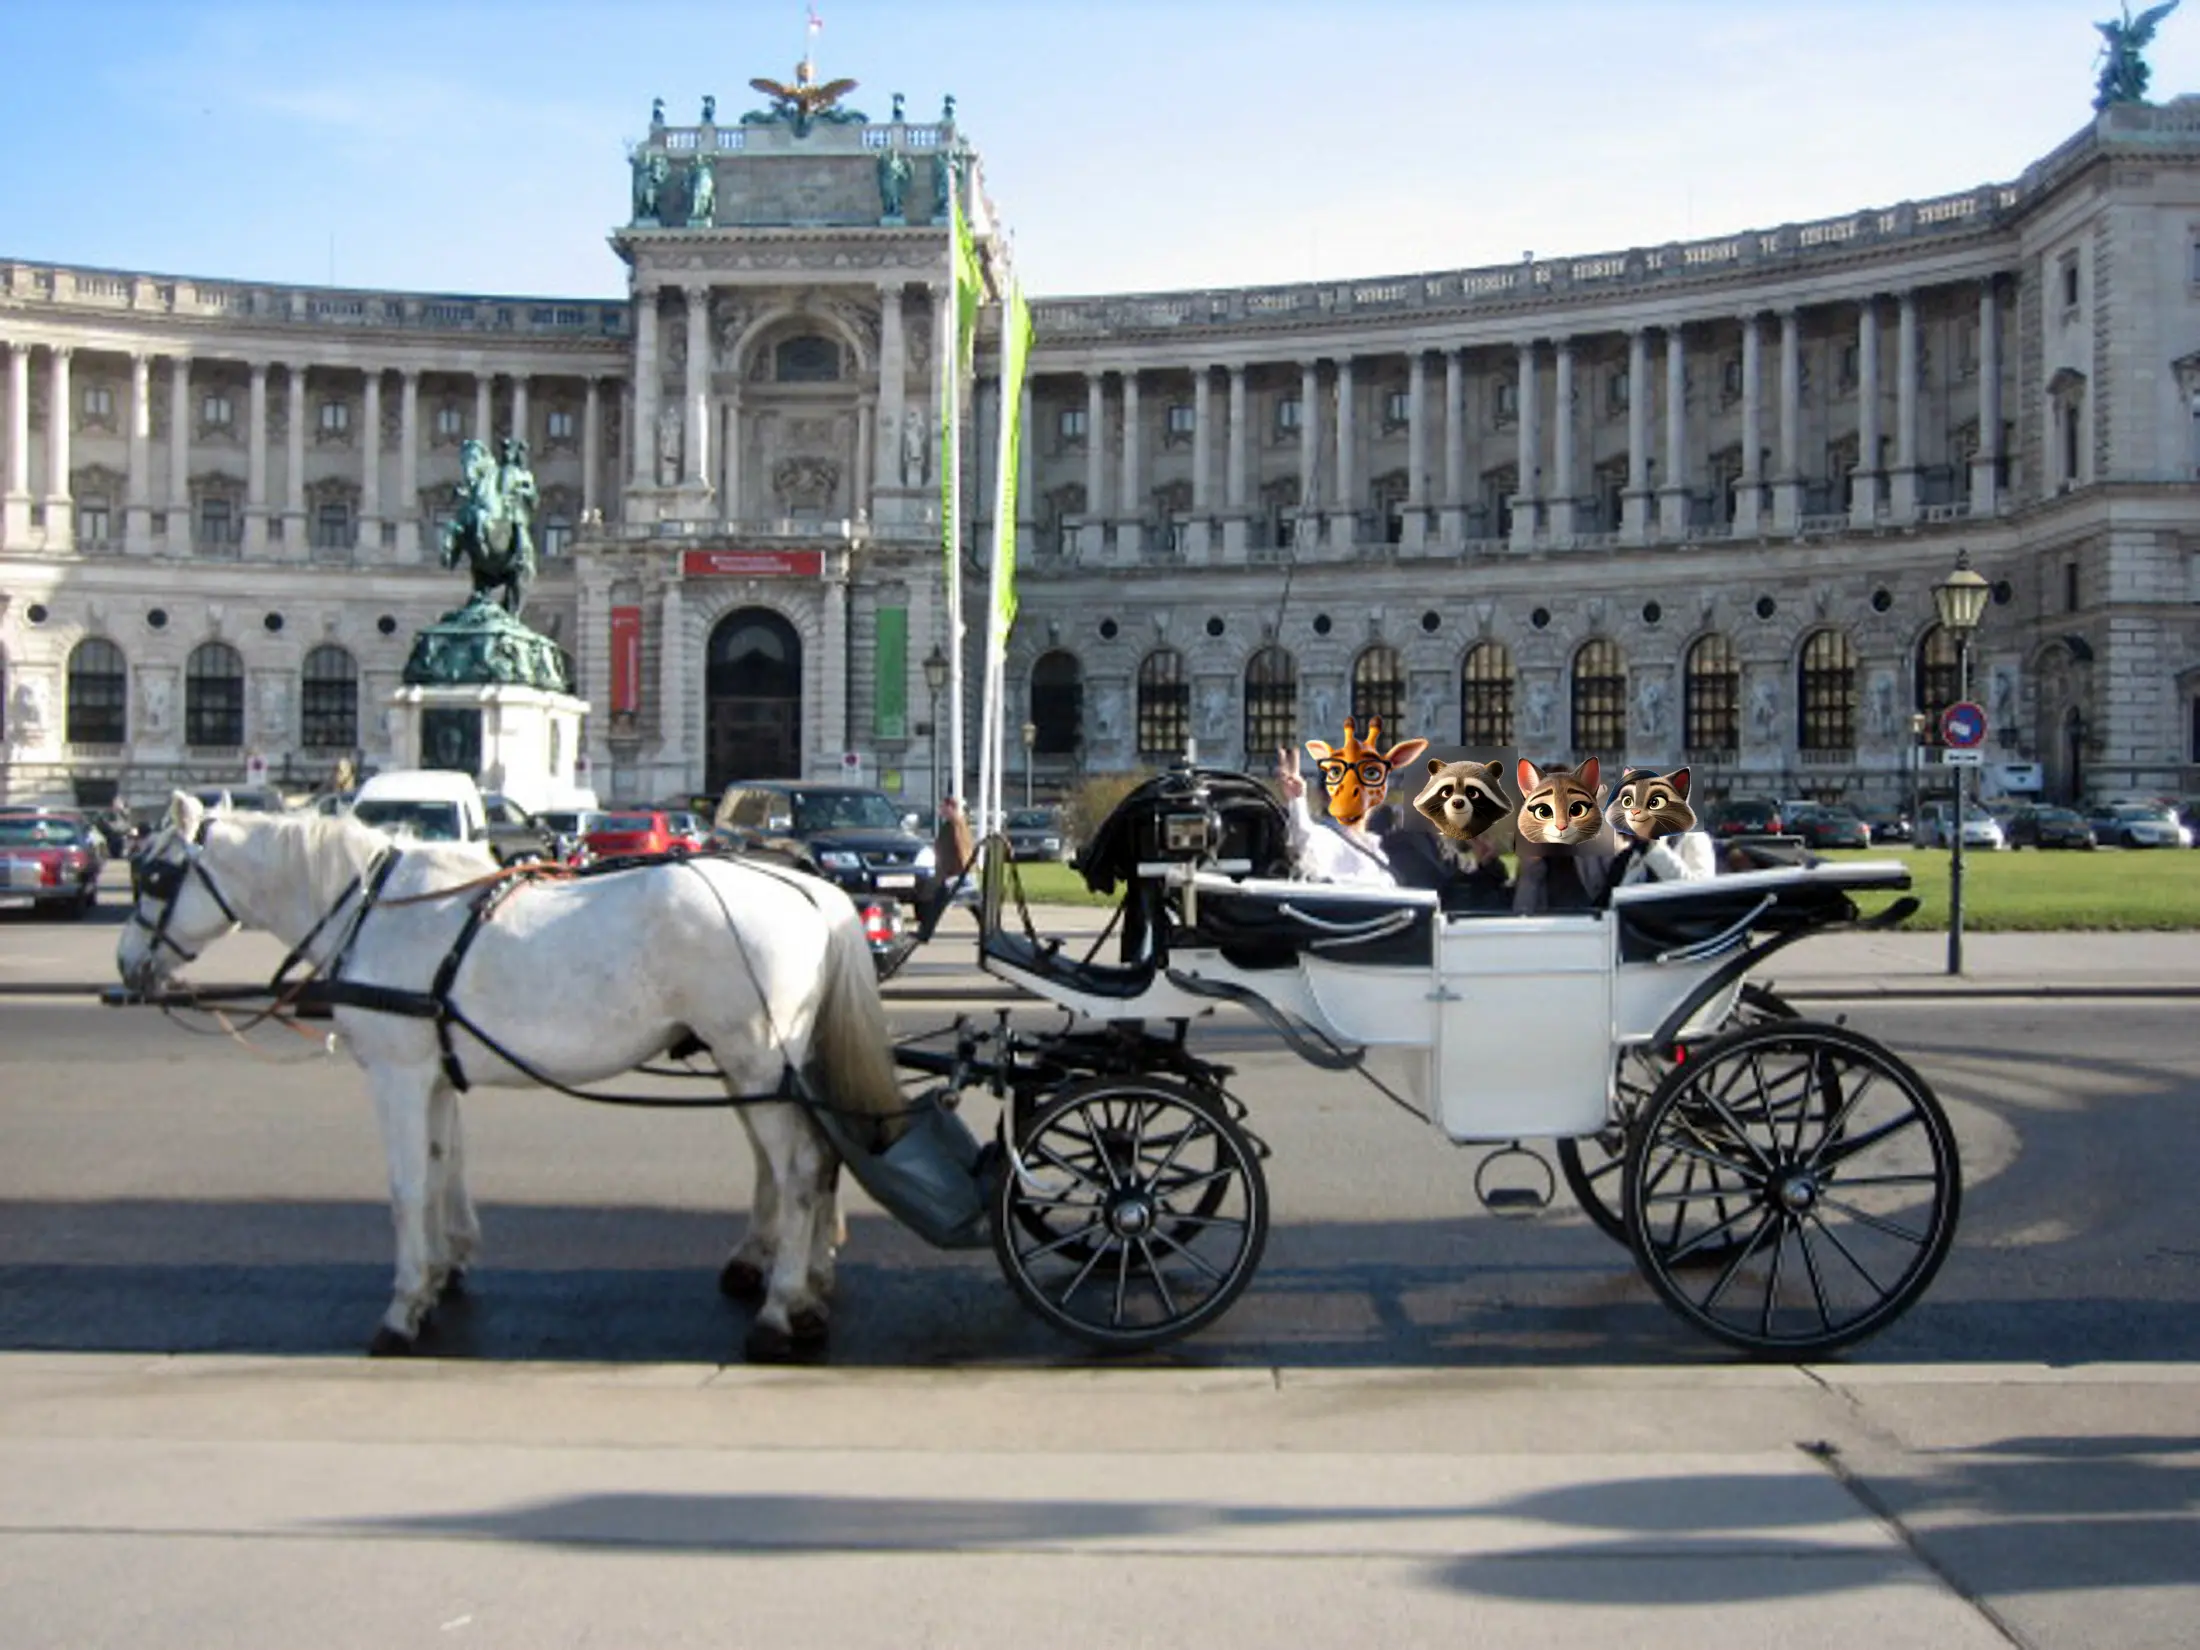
x: 432, y: 804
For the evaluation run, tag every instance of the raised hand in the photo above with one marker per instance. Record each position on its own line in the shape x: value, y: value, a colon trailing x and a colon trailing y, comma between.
x: 1287, y: 773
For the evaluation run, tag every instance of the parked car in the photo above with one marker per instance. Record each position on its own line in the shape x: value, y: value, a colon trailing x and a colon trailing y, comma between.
x: 1829, y: 825
x: 1887, y: 822
x: 436, y: 805
x: 48, y: 862
x: 852, y: 835
x: 1746, y: 816
x: 2133, y: 824
x: 1036, y: 833
x: 242, y: 799
x: 630, y: 833
x: 2188, y: 815
x: 2046, y: 827
x: 688, y: 829
x: 568, y: 829
x: 1936, y: 827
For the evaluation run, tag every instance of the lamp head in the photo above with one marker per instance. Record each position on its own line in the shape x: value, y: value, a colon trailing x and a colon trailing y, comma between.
x: 1962, y: 597
x: 935, y: 670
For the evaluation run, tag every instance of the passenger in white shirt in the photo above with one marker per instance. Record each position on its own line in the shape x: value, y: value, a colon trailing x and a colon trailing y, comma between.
x: 1327, y: 850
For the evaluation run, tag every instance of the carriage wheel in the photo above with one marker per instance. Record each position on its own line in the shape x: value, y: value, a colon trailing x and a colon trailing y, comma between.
x: 1593, y: 1164
x: 1139, y: 1213
x: 1821, y: 1167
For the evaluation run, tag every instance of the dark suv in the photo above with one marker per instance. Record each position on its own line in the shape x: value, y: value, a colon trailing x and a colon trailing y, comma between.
x: 848, y: 834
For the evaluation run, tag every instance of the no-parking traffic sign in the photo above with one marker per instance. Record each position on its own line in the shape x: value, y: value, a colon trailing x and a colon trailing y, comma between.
x: 1963, y: 725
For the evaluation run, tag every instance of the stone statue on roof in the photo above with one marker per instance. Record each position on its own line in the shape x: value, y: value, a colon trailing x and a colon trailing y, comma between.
x: 2123, y: 77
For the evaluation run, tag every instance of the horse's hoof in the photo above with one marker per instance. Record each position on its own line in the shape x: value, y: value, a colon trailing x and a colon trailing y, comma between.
x: 388, y: 1343
x: 741, y: 1280
x: 767, y: 1345
x: 454, y: 1282
x: 811, y: 1327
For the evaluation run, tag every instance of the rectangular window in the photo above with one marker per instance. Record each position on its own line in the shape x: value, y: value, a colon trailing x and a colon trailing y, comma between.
x: 1507, y: 399
x: 449, y: 421
x: 99, y: 401
x: 557, y: 537
x: 1183, y: 419
x: 1397, y: 410
x: 216, y: 412
x: 2070, y: 587
x: 335, y: 417
x: 1849, y: 372
x: 217, y: 525
x: 559, y: 425
x: 332, y: 527
x: 1289, y: 413
x: 2070, y: 281
x: 91, y: 521
x: 1072, y: 423
x: 1730, y: 377
x: 1617, y: 391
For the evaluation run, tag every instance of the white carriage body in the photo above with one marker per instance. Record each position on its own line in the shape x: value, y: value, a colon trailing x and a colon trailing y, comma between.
x: 1502, y: 1027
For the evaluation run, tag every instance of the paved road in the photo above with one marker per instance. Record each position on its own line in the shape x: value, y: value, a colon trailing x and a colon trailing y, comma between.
x: 160, y: 1192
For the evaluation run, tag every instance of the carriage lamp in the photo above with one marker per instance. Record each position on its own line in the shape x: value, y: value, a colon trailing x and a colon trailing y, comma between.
x: 1961, y: 597
x: 935, y: 679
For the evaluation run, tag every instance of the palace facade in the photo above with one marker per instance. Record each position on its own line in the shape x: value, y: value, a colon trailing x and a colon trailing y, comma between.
x: 1673, y: 503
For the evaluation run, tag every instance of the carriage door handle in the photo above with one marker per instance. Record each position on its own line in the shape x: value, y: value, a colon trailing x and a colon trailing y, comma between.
x: 1719, y: 941
x: 1345, y: 933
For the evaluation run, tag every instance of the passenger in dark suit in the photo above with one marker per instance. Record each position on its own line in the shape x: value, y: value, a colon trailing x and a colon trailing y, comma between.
x: 1465, y: 879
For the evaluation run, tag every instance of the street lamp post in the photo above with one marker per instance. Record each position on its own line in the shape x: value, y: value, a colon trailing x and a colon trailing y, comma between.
x: 1031, y: 738
x: 1919, y: 724
x: 935, y: 678
x: 1961, y: 598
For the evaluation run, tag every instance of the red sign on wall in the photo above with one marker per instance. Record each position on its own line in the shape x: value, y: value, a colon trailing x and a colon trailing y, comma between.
x: 732, y: 564
x: 626, y: 660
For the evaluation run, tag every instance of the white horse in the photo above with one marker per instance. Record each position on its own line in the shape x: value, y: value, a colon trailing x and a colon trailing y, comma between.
x: 578, y: 980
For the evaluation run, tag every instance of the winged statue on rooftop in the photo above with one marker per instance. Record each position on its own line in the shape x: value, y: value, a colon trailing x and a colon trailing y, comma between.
x: 807, y: 100
x: 2123, y: 76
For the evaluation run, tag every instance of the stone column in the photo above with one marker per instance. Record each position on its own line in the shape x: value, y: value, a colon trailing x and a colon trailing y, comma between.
x: 1093, y: 536
x: 294, y: 462
x: 1203, y: 461
x: 1528, y: 496
x: 831, y: 730
x: 519, y: 409
x: 1787, y: 481
x: 409, y: 525
x: 1413, y: 525
x: 1634, y: 504
x: 1673, y: 495
x: 729, y: 499
x: 642, y: 440
x: 1454, y: 521
x: 696, y: 469
x: 60, y: 527
x: 1566, y: 485
x: 1749, y: 494
x: 1864, y: 485
x: 1344, y: 522
x: 255, y: 462
x: 1903, y: 482
x: 893, y: 389
x: 137, y: 532
x: 1310, y: 444
x: 1986, y: 466
x: 485, y: 431
x: 591, y: 443
x: 179, y: 454
x: 1234, y: 527
x: 370, y: 469
x: 1131, y: 507
x: 674, y: 690
x: 18, y: 517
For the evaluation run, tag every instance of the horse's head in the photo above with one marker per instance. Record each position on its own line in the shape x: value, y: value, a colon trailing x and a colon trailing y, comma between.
x: 179, y: 908
x: 1357, y: 775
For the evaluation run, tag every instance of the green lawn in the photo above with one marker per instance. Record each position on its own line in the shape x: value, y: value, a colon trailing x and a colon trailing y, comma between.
x: 2013, y: 891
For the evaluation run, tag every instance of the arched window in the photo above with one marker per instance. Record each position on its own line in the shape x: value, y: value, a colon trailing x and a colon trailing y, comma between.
x: 1378, y: 689
x: 1164, y: 705
x: 806, y: 360
x: 213, y: 696
x: 329, y: 700
x: 1711, y: 697
x: 1939, y: 678
x: 1600, y: 697
x: 1057, y: 703
x: 1271, y: 702
x: 1827, y: 696
x: 99, y: 694
x: 1486, y: 697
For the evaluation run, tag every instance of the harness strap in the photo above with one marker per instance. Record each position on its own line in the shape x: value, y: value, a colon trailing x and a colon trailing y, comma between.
x: 478, y: 911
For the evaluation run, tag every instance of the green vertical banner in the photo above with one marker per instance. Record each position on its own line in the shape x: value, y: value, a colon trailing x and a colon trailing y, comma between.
x: 890, y: 675
x: 968, y: 286
x: 1015, y: 354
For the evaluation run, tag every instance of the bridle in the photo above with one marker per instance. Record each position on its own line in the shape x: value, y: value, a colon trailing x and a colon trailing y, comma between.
x: 164, y: 879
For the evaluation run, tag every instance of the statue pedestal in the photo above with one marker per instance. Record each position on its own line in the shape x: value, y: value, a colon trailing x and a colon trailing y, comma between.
x: 522, y: 741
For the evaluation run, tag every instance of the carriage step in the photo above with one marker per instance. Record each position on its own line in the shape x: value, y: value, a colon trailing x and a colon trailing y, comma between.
x: 1514, y: 1183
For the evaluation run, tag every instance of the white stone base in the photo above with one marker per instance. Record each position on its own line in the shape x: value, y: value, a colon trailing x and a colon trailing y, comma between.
x: 530, y: 738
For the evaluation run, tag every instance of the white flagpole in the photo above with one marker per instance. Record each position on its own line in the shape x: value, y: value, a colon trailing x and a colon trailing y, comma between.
x: 950, y: 352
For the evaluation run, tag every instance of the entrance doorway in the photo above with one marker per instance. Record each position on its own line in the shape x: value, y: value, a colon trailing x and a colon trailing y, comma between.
x: 753, y: 715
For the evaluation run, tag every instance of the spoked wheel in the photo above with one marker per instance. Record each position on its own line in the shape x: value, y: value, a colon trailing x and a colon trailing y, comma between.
x: 1593, y: 1164
x: 1134, y: 1211
x: 1818, y: 1165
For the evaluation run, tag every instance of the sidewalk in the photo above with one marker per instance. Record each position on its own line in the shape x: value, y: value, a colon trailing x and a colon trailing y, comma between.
x: 162, y: 1503
x: 78, y: 959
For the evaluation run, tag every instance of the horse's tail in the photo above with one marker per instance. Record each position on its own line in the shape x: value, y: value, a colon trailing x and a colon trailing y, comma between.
x: 850, y: 1045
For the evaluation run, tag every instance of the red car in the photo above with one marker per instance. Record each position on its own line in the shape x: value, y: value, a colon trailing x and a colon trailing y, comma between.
x: 622, y: 835
x: 48, y: 862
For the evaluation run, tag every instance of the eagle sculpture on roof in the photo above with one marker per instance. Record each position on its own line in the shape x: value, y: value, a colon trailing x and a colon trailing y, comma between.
x: 804, y: 102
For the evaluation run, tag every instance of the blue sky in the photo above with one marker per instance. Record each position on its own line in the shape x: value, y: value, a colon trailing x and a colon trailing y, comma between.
x: 477, y: 145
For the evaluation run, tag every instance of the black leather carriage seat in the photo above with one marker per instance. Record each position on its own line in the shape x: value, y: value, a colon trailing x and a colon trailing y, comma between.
x: 1260, y: 925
